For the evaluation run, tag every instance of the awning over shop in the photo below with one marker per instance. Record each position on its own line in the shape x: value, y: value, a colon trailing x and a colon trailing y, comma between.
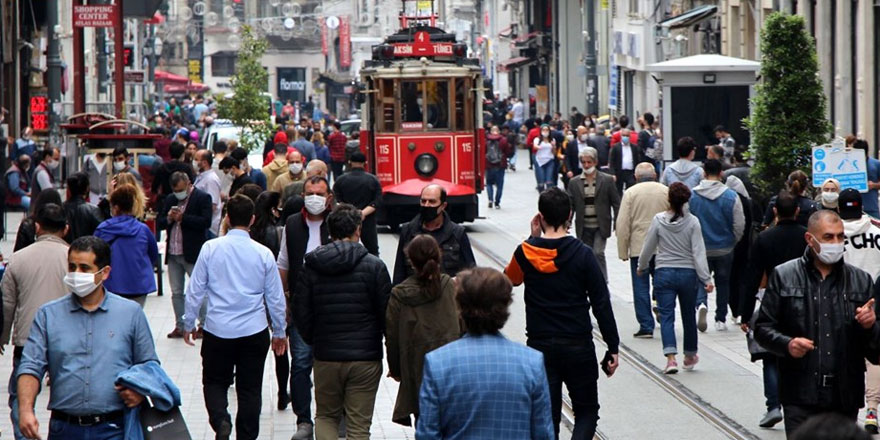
x: 170, y: 78
x: 689, y: 18
x: 524, y: 40
x: 514, y: 63
x: 185, y: 89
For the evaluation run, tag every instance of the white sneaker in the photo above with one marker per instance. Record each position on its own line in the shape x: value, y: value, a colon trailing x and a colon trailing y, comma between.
x: 720, y: 326
x: 701, y: 317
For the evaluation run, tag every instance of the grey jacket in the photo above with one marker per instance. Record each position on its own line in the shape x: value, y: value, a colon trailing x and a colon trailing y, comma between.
x: 607, y: 199
x: 677, y: 245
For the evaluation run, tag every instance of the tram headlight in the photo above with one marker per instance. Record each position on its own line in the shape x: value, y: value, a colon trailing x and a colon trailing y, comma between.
x: 426, y: 165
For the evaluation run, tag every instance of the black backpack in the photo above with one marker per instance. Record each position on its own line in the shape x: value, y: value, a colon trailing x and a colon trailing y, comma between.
x: 493, y: 152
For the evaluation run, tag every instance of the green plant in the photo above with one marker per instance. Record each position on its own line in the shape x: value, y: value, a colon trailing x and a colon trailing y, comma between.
x: 788, y: 110
x: 247, y: 107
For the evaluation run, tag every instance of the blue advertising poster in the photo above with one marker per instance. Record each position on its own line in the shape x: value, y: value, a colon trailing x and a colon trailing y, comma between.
x: 612, y: 89
x: 847, y: 166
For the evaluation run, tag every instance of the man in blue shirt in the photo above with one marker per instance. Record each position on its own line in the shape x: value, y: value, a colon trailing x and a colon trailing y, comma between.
x: 83, y: 340
x: 869, y: 200
x: 483, y: 385
x: 240, y: 281
x: 302, y: 144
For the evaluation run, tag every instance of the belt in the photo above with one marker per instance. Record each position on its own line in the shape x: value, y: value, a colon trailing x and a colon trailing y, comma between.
x: 87, y: 420
x: 562, y: 341
x: 828, y: 380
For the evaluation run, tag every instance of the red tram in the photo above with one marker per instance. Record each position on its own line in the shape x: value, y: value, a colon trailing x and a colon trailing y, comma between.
x: 422, y: 120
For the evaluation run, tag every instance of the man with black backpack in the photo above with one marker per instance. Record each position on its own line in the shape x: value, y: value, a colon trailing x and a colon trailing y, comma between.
x: 650, y: 143
x: 497, y: 152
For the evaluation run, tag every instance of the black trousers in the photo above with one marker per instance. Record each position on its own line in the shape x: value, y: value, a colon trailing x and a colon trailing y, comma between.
x: 572, y: 362
x: 625, y: 177
x: 241, y: 359
x: 370, y: 235
x: 796, y: 415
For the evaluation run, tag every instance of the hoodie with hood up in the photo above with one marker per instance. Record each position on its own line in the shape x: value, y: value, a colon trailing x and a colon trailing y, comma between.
x: 133, y: 251
x: 683, y: 171
x: 862, y: 245
x: 721, y: 216
x: 340, y: 300
x: 275, y: 169
x: 677, y: 244
x: 562, y: 281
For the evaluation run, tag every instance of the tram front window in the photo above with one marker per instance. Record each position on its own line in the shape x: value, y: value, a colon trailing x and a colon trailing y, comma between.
x: 438, y: 104
x: 411, y: 99
x: 424, y: 105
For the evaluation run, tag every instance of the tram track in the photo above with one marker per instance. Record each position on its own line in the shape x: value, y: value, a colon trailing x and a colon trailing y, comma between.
x: 712, y: 415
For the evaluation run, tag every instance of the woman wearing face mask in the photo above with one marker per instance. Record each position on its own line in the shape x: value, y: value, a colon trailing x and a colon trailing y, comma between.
x: 544, y: 148
x: 827, y: 198
x: 133, y: 248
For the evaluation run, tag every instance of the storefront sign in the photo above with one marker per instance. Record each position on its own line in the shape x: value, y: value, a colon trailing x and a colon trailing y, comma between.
x: 345, y: 42
x: 292, y: 84
x: 94, y: 16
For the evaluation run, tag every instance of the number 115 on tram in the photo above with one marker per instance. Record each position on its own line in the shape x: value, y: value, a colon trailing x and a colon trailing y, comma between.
x: 422, y: 123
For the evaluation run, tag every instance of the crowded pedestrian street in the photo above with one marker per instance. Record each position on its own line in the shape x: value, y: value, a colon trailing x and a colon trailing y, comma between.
x: 633, y: 403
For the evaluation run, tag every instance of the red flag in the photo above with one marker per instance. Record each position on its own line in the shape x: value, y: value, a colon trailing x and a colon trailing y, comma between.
x: 324, y: 37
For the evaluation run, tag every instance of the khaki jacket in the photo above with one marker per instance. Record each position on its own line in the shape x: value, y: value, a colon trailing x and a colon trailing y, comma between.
x: 34, y: 276
x: 286, y: 179
x: 638, y: 207
x: 275, y: 169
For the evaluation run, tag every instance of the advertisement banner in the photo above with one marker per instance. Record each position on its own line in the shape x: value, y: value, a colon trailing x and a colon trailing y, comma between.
x: 345, y: 42
x: 848, y: 166
x: 324, y: 47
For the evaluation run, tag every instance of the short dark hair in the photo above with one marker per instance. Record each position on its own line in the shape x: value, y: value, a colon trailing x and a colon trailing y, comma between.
x: 314, y: 180
x: 718, y: 150
x: 90, y: 243
x: 786, y: 204
x: 830, y: 425
x: 280, y: 149
x: 120, y: 150
x: 78, y: 183
x: 685, y: 146
x: 251, y: 191
x: 343, y: 221
x: 47, y: 153
x: 239, y: 154
x: 649, y: 118
x: 177, y: 177
x: 712, y: 167
x: 240, y: 209
x: 124, y: 197
x: 624, y: 121
x: 220, y: 147
x: 483, y: 296
x: 554, y: 204
x: 176, y: 150
x: 51, y: 218
x: 720, y: 128
x: 229, y: 162
x: 861, y: 144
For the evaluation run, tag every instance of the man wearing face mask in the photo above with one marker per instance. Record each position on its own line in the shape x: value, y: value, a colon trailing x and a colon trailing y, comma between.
x: 84, y: 399
x: 122, y: 163
x: 232, y: 170
x: 295, y: 172
x: 573, y: 149
x: 256, y: 175
x: 314, y: 168
x: 593, y: 199
x: 818, y: 315
x: 435, y: 221
x: 304, y: 232
x: 186, y: 215
x: 208, y: 181
x: 624, y: 157
x: 33, y: 277
x: 44, y: 174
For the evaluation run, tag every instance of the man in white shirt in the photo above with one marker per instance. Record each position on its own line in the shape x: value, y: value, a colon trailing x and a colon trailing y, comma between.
x: 238, y: 278
x: 624, y: 157
x: 209, y: 182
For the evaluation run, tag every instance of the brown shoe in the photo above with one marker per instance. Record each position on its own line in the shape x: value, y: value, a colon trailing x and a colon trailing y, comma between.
x: 175, y: 334
x: 200, y: 334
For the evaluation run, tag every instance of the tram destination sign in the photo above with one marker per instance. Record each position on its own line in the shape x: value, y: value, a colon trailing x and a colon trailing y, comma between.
x: 94, y: 16
x: 422, y: 47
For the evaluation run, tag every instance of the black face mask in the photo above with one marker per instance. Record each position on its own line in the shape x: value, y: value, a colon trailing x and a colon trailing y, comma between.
x: 429, y: 213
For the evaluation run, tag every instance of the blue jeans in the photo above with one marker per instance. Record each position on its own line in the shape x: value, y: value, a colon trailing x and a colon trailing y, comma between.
x: 60, y: 430
x: 13, y: 393
x: 641, y: 296
x: 544, y: 174
x: 669, y: 283
x: 300, y: 376
x: 771, y: 381
x: 495, y: 178
x: 720, y: 268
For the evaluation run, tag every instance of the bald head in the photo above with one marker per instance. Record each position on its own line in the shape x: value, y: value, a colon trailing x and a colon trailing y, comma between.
x: 581, y: 130
x: 294, y: 156
x: 316, y: 167
x: 433, y: 195
x: 821, y: 220
x: 645, y: 171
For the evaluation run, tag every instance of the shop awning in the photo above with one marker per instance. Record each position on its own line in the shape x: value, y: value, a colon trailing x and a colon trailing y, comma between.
x: 689, y: 18
x: 524, y: 40
x: 515, y: 63
x: 170, y: 78
x: 185, y: 89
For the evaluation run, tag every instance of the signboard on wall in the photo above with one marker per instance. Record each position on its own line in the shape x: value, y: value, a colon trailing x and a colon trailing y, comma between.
x: 292, y: 84
x: 847, y: 166
x: 94, y: 16
x: 345, y: 42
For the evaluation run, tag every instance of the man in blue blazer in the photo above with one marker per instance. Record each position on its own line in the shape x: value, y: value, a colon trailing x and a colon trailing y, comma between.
x: 483, y: 385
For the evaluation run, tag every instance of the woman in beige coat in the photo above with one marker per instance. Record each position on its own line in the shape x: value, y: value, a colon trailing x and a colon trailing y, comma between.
x: 421, y: 317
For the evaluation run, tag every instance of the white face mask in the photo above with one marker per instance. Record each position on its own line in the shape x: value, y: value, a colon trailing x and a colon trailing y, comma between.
x: 545, y: 133
x: 829, y: 253
x: 569, y: 137
x: 119, y: 165
x: 583, y: 138
x: 315, y: 204
x: 196, y: 164
x: 830, y: 197
x: 52, y: 164
x: 590, y: 170
x: 295, y: 168
x: 180, y: 195
x: 81, y: 283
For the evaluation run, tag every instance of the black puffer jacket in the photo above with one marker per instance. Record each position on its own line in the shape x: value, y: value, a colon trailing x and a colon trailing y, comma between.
x: 340, y: 300
x: 790, y: 308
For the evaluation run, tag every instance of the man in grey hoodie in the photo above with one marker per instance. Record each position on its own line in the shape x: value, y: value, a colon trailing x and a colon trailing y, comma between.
x: 722, y: 221
x: 683, y: 170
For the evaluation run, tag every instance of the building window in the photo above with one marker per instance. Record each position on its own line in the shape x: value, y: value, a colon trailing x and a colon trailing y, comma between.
x: 223, y: 64
x: 633, y: 7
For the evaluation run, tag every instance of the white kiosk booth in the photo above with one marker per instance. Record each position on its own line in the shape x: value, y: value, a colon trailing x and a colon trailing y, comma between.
x: 701, y: 92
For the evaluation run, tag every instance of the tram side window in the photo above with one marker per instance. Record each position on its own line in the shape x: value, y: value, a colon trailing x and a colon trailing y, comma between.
x: 386, y: 105
x: 463, y: 105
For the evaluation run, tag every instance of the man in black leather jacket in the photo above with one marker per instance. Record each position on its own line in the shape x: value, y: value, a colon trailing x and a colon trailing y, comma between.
x: 818, y: 315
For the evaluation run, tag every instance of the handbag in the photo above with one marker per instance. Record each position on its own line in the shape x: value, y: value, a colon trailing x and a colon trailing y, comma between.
x: 164, y: 425
x: 755, y: 349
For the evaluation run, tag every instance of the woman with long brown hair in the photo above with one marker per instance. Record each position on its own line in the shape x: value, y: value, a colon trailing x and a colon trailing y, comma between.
x: 421, y: 317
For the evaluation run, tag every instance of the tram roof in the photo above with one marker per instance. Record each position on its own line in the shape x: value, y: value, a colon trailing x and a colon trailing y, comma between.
x: 418, y: 69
